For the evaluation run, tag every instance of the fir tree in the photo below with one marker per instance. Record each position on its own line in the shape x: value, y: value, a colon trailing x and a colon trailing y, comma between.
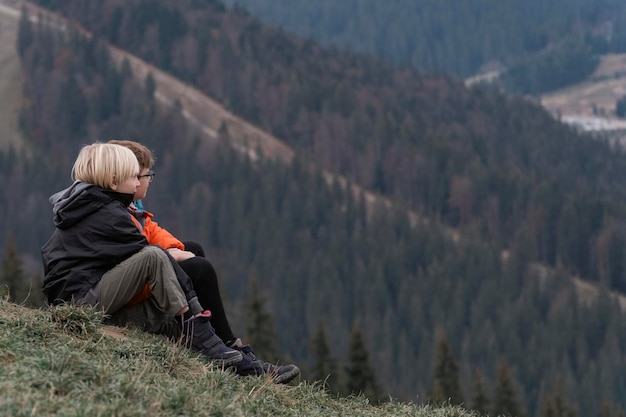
x: 25, y: 32
x: 505, y: 400
x: 324, y: 368
x: 359, y: 373
x: 150, y: 86
x: 556, y: 405
x: 480, y: 402
x: 260, y: 325
x: 620, y: 107
x: 446, y: 376
x: 610, y: 410
x: 11, y: 274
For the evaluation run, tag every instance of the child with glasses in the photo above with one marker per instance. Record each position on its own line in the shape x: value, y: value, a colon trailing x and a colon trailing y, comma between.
x: 190, y: 257
x: 96, y: 255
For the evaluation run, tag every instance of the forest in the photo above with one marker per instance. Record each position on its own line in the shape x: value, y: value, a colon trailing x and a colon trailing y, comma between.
x: 511, y: 203
x: 461, y: 38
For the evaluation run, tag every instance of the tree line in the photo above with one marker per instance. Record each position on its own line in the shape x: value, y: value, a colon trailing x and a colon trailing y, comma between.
x: 458, y: 39
x: 497, y: 167
x: 319, y: 254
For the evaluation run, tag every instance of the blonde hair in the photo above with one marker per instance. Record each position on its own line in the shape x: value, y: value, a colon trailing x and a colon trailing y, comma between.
x: 104, y: 164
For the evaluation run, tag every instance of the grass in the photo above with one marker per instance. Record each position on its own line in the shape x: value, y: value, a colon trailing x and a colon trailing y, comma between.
x: 64, y: 362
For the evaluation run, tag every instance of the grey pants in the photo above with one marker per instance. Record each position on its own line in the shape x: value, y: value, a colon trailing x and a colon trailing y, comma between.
x: 119, y: 285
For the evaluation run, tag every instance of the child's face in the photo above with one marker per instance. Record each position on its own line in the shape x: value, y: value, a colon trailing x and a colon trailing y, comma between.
x: 144, y: 183
x: 128, y: 186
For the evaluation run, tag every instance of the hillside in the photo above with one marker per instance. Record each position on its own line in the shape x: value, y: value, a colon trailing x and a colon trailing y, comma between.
x: 590, y: 104
x: 490, y: 166
x: 10, y: 90
x: 64, y: 362
x: 443, y: 36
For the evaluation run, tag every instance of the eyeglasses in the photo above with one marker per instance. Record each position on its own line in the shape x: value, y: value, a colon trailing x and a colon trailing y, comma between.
x: 149, y: 175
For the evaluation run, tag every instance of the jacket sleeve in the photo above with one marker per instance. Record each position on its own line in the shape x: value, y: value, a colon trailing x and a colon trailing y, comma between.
x: 157, y: 235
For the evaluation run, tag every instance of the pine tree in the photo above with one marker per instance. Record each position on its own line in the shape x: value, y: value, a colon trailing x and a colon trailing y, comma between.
x: 150, y: 87
x: 260, y: 325
x: 610, y: 410
x: 446, y: 376
x: 480, y: 402
x: 505, y: 400
x: 25, y: 32
x: 359, y: 373
x: 556, y: 405
x: 11, y: 273
x: 324, y: 368
x: 620, y: 107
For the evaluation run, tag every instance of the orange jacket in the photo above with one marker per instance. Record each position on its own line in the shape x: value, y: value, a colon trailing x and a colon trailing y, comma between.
x: 155, y: 234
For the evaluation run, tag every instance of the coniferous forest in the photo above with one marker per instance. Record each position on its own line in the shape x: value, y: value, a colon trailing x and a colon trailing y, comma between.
x: 461, y: 38
x: 461, y: 288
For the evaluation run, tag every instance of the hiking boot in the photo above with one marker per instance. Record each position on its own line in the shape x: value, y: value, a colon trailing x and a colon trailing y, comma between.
x: 281, y: 374
x: 251, y: 366
x: 199, y: 336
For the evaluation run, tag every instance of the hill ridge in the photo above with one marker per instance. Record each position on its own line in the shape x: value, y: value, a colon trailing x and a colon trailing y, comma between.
x: 63, y: 361
x: 208, y: 116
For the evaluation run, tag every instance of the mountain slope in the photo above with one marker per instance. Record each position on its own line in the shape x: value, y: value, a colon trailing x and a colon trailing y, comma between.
x: 9, y: 81
x: 596, y: 97
x: 442, y: 36
x: 425, y: 141
x: 63, y: 362
x: 320, y: 260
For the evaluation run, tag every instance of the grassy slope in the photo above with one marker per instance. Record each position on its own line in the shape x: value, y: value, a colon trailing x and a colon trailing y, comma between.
x: 601, y: 90
x: 10, y: 90
x: 63, y: 362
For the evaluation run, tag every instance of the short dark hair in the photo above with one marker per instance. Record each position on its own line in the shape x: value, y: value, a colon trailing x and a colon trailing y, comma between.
x: 143, y: 154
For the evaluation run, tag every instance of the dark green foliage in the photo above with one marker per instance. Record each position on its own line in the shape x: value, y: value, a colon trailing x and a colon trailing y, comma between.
x: 445, y: 36
x: 505, y: 401
x: 150, y: 87
x: 11, y: 273
x: 557, y: 405
x: 557, y: 67
x: 620, y: 107
x: 25, y: 33
x: 611, y: 410
x: 260, y: 329
x: 324, y: 369
x: 360, y: 376
x: 494, y: 166
x: 480, y: 401
x: 446, y: 387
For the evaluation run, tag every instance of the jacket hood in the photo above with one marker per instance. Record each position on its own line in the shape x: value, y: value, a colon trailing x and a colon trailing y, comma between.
x: 71, y: 205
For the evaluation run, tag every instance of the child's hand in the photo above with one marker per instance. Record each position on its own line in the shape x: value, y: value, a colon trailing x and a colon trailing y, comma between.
x: 181, y: 255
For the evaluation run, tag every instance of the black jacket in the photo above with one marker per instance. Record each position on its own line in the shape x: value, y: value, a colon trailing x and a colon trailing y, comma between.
x: 94, y: 232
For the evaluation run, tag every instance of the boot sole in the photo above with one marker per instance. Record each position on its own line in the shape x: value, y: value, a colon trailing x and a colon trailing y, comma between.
x: 286, y: 377
x: 224, y: 363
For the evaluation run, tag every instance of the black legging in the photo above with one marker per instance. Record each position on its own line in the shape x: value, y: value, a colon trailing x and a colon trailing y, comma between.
x: 204, y: 279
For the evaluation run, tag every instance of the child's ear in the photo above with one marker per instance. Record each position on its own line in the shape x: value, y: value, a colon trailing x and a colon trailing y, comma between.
x: 113, y: 185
